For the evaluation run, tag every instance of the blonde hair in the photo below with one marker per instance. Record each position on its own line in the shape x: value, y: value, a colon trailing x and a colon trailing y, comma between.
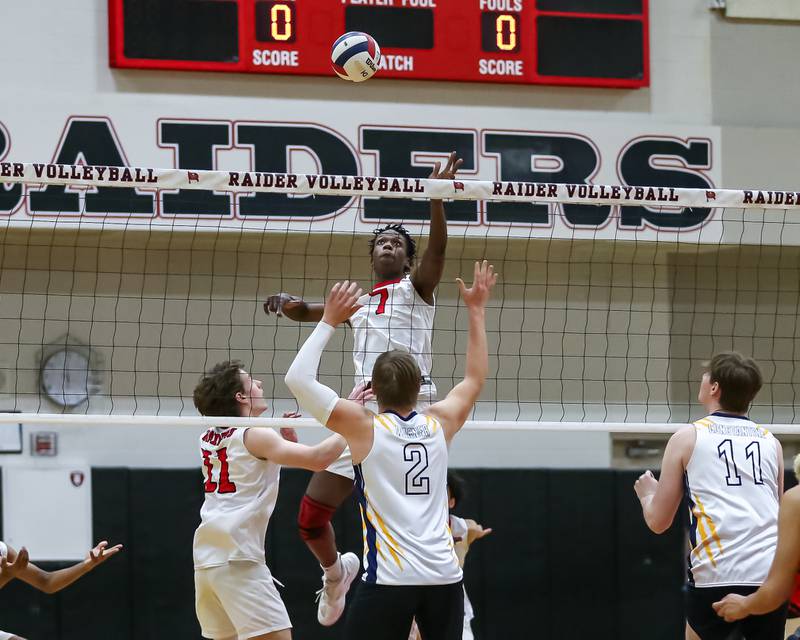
x: 396, y: 379
x: 797, y: 466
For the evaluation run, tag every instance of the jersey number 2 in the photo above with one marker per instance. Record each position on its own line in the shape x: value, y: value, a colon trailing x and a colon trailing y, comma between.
x: 224, y: 485
x: 416, y: 483
x: 752, y: 452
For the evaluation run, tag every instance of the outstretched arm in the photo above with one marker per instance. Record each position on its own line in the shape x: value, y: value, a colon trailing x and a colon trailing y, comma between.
x: 52, y: 581
x: 268, y: 445
x: 661, y: 498
x: 779, y: 583
x: 429, y: 272
x: 294, y: 308
x: 455, y: 408
x: 345, y: 417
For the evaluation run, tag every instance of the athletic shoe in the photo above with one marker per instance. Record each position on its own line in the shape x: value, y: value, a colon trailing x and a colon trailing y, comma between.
x: 332, y: 596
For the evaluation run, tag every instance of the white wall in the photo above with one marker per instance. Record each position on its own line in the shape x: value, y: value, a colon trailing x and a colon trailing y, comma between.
x: 754, y: 76
x: 755, y: 92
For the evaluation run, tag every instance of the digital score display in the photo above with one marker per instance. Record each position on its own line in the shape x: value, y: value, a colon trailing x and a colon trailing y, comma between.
x: 567, y: 42
x: 275, y: 22
x: 499, y: 32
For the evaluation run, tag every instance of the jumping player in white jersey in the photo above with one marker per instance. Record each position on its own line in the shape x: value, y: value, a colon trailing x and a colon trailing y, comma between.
x: 400, y: 457
x: 234, y: 592
x: 396, y: 314
x: 731, y: 472
x: 15, y: 564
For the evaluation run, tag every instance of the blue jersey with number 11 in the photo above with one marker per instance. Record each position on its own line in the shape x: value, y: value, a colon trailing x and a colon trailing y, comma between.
x: 402, y: 487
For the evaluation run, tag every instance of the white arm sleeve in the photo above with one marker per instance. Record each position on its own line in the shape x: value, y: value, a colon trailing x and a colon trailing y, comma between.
x: 312, y: 396
x: 458, y: 527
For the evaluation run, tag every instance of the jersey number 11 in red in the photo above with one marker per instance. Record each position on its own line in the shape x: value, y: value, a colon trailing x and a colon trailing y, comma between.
x: 225, y: 485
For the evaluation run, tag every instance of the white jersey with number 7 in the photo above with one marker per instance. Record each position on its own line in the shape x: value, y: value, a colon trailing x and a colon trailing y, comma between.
x: 393, y: 316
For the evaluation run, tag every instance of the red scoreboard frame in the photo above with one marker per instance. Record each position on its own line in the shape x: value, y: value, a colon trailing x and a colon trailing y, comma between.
x: 557, y: 42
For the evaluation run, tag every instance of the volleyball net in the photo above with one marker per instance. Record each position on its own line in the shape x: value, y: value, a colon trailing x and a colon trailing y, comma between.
x: 120, y: 286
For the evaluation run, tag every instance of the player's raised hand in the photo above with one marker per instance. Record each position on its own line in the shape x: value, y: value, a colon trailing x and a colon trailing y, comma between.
x: 341, y: 303
x: 13, y: 569
x: 288, y: 433
x: 102, y: 552
x: 362, y: 393
x: 450, y: 169
x: 484, y: 280
x: 275, y: 303
x: 731, y: 607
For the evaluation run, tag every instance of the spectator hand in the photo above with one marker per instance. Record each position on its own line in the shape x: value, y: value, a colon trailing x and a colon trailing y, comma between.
x: 102, y: 552
x: 13, y: 569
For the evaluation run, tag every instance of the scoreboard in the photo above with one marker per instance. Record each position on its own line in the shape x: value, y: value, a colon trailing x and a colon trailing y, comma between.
x: 562, y: 42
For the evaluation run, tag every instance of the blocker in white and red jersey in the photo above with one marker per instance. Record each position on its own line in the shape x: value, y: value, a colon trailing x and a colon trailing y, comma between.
x: 732, y: 488
x: 241, y: 491
x: 393, y: 316
x: 402, y: 487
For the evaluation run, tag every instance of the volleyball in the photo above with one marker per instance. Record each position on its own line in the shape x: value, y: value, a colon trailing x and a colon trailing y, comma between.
x: 355, y: 56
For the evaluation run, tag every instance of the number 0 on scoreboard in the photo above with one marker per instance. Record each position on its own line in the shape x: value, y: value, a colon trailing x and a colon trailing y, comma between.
x: 275, y: 21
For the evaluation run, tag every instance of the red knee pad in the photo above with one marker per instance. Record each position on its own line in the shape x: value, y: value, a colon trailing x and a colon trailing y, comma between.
x: 313, y: 517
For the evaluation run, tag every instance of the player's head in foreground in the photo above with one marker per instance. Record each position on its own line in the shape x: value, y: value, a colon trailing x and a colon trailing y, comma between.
x: 456, y: 489
x: 392, y: 252
x: 396, y: 380
x: 228, y: 390
x: 730, y: 382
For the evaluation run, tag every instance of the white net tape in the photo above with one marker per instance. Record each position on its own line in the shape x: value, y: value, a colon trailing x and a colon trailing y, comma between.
x: 372, y: 186
x: 43, y: 419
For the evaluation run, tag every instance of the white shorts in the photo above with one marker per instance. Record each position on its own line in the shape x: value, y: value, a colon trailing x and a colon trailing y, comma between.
x: 467, y: 634
x: 4, y: 635
x: 238, y: 599
x: 343, y: 465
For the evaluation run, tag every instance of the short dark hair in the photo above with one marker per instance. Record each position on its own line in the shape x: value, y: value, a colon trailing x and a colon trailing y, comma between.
x: 215, y: 394
x: 411, y: 246
x: 738, y: 377
x: 396, y: 379
x: 457, y: 487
